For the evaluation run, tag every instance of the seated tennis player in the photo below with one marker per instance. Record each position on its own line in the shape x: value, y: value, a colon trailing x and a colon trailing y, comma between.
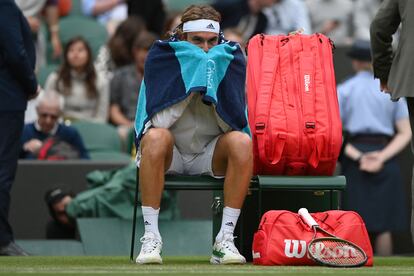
x: 191, y: 120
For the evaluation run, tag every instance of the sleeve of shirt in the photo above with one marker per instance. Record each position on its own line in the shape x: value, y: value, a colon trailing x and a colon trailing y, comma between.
x: 103, y: 100
x: 87, y: 6
x: 382, y: 28
x: 13, y: 50
x: 302, y: 19
x: 342, y: 101
x: 51, y: 80
x: 400, y: 110
x: 115, y: 89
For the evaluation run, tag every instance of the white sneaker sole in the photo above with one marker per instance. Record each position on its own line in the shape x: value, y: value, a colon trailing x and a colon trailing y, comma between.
x: 217, y: 261
x: 152, y: 260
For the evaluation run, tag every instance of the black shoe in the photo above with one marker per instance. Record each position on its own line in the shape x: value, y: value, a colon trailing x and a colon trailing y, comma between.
x: 12, y: 249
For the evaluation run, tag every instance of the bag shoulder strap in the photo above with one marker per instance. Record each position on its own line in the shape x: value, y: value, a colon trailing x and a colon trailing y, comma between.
x: 269, y: 69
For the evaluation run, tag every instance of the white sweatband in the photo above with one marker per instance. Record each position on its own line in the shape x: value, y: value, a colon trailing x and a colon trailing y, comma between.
x: 201, y: 25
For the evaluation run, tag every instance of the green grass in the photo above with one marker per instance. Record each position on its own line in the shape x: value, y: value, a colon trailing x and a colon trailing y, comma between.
x: 184, y: 266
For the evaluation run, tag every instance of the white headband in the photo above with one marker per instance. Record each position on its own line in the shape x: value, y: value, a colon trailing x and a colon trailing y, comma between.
x: 201, y: 25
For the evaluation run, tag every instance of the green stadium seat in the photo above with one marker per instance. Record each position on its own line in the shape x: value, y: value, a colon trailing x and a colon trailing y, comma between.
x: 77, y: 25
x: 101, y: 140
x: 44, y: 72
x: 76, y: 8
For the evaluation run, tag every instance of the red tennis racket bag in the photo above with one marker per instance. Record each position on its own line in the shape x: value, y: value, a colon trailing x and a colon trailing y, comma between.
x: 292, y: 105
x: 283, y: 237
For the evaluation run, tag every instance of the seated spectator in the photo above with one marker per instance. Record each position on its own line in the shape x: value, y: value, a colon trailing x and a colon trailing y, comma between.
x: 235, y: 35
x: 126, y: 83
x: 35, y: 11
x: 332, y: 18
x: 364, y: 12
x: 117, y: 52
x: 172, y: 22
x: 151, y: 11
x: 110, y: 194
x: 274, y: 17
x: 108, y: 12
x: 49, y: 108
x: 86, y: 92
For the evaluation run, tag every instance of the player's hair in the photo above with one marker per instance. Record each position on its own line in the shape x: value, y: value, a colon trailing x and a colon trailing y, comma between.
x: 195, y: 12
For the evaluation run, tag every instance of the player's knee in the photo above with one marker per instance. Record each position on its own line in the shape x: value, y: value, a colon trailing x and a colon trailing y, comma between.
x: 240, y: 146
x: 156, y: 142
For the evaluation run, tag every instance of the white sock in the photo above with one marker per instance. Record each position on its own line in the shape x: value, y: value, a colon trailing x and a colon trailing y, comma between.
x: 150, y: 216
x: 229, y: 221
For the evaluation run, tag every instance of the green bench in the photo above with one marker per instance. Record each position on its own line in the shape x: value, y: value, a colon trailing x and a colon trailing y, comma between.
x: 317, y: 193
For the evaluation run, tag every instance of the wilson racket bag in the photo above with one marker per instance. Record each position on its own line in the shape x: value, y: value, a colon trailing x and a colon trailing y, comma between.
x: 283, y: 237
x: 292, y: 105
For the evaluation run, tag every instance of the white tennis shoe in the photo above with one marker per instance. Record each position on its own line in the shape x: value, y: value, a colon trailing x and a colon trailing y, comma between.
x: 225, y: 252
x: 150, y: 250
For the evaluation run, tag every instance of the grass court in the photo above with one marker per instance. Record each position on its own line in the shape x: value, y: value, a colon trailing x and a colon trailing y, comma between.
x: 184, y: 266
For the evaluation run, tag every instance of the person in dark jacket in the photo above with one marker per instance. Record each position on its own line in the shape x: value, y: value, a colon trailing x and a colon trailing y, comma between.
x: 395, y: 70
x: 17, y: 85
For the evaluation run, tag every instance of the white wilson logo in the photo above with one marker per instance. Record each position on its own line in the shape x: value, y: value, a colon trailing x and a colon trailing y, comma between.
x: 322, y: 252
x: 307, y: 82
x: 292, y: 249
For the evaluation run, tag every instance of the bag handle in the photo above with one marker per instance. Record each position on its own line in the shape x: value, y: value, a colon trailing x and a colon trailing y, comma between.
x: 308, y: 90
x: 270, y: 64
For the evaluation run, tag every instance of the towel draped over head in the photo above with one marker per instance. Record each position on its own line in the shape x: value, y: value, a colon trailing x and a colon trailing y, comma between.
x: 174, y: 69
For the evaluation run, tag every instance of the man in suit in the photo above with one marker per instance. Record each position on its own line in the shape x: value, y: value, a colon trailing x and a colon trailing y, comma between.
x: 395, y: 71
x: 17, y: 85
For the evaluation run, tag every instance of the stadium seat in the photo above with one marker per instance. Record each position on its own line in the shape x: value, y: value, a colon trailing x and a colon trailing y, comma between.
x: 77, y: 25
x: 76, y: 8
x: 101, y: 140
x: 44, y: 72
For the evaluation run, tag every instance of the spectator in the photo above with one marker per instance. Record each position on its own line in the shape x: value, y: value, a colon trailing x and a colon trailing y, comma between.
x: 172, y: 22
x: 86, y: 92
x: 379, y: 129
x: 126, y: 83
x: 191, y: 120
x: 395, y: 71
x: 274, y: 17
x: 120, y: 44
x: 364, y: 12
x: 49, y: 109
x: 332, y: 18
x: 33, y: 11
x: 233, y: 34
x: 110, y: 194
x: 108, y: 12
x: 231, y: 11
x: 151, y: 11
x: 17, y: 85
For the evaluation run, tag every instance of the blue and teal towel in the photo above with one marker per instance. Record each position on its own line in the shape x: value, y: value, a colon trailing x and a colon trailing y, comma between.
x: 175, y: 69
